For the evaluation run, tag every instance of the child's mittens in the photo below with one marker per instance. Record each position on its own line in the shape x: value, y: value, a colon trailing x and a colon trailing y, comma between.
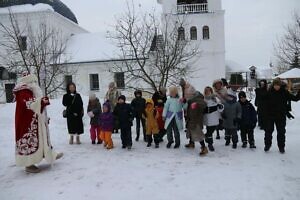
x: 194, y: 106
x: 91, y: 114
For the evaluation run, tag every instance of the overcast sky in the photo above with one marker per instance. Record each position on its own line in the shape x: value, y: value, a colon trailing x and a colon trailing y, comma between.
x: 251, y: 26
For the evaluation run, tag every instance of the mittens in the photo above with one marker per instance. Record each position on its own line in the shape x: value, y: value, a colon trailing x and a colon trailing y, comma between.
x: 91, y: 114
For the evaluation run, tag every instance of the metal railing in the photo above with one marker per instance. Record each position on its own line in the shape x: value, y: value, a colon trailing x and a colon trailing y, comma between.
x: 192, y: 8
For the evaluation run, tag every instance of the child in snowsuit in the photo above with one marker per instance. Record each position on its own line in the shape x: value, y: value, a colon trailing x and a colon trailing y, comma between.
x: 194, y: 123
x: 173, y: 115
x: 151, y: 116
x: 138, y: 105
x: 212, y: 116
x: 160, y: 121
x: 232, y: 115
x: 248, y: 121
x: 124, y: 114
x: 94, y: 111
x: 106, y: 126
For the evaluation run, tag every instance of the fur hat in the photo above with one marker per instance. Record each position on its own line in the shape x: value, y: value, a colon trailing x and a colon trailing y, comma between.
x: 277, y: 81
x: 217, y: 81
x: 122, y: 97
x: 231, y: 93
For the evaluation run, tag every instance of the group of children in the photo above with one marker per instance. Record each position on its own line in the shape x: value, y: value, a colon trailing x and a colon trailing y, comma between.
x: 160, y: 116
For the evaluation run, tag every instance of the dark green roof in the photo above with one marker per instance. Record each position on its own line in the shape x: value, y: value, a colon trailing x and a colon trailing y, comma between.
x: 57, y: 5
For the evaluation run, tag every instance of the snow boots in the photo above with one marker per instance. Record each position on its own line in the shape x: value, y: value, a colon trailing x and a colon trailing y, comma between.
x: 190, y: 145
x: 203, y: 151
x: 211, y: 147
x: 71, y: 141
x: 78, y: 140
x: 32, y: 169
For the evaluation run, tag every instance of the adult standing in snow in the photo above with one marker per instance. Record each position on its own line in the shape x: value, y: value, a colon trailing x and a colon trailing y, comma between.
x: 160, y: 97
x: 112, y: 96
x: 277, y: 99
x: 74, y: 112
x: 32, y: 136
x: 261, y: 103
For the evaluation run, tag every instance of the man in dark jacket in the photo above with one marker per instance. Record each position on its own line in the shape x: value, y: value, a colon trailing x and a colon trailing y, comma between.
x: 123, y: 112
x: 277, y: 99
x: 138, y: 105
x: 248, y: 121
x: 261, y: 103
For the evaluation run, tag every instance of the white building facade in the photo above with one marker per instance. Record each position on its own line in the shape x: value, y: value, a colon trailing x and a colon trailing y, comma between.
x: 204, y: 26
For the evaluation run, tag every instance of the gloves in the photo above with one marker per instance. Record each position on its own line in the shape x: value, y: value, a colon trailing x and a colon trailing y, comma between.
x: 91, y: 114
x: 182, y: 100
x: 194, y: 106
x: 220, y: 106
x: 289, y: 115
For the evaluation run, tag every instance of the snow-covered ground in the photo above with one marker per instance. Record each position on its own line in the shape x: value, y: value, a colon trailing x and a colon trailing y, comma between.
x: 92, y: 172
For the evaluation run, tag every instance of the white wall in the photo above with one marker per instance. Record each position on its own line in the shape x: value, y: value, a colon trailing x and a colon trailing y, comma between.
x: 211, y: 64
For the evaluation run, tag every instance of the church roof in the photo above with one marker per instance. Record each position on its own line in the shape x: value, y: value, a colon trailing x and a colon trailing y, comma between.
x: 57, y: 6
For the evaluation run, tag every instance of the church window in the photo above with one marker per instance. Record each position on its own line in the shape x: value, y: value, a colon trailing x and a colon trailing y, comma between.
x: 193, y: 33
x: 120, y: 79
x: 94, y: 82
x: 205, y: 33
x: 181, y: 33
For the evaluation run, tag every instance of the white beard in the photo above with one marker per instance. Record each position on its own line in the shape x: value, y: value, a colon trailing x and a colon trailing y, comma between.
x: 36, y: 90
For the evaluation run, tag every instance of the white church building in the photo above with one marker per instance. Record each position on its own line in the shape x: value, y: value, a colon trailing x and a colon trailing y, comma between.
x: 93, y: 55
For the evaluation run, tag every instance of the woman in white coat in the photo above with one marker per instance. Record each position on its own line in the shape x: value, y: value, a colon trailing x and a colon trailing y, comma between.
x: 212, y: 115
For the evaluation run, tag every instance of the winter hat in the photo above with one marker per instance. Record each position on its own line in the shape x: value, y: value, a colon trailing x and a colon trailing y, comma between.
x: 138, y: 92
x: 107, y: 104
x: 242, y: 94
x: 277, y: 81
x: 122, y: 97
x: 217, y: 81
x: 231, y: 93
x: 92, y: 96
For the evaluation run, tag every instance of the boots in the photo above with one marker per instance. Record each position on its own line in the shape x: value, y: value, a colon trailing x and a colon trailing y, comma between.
x: 244, y: 145
x: 281, y: 150
x: 176, y: 146
x: 203, y: 151
x: 59, y: 156
x: 32, y: 169
x: 267, y: 148
x: 71, y: 141
x: 252, y: 146
x: 78, y: 140
x: 211, y: 147
x: 169, y: 145
x: 190, y: 145
x: 227, y: 143
x: 234, y: 146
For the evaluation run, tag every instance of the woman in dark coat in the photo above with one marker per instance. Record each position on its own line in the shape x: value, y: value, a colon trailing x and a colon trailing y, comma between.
x: 74, y: 112
x: 261, y: 103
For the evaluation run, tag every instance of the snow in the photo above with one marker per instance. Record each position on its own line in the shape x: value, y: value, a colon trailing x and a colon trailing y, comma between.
x: 26, y: 8
x: 293, y: 73
x: 92, y: 172
x: 90, y: 47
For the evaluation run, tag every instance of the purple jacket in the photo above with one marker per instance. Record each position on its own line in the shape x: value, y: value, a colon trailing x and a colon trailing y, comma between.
x: 107, y: 121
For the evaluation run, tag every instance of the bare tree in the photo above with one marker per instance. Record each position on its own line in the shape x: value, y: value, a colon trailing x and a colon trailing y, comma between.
x: 288, y: 47
x: 155, y: 52
x: 35, y: 50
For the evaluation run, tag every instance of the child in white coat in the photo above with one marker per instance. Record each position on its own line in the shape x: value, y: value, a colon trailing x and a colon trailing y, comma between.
x: 212, y: 115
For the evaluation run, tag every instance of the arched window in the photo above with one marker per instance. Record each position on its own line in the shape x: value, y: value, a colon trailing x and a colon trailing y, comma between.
x: 181, y: 33
x: 193, y: 32
x: 205, y: 33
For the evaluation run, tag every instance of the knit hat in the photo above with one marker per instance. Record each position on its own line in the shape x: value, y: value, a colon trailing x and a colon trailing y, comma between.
x: 107, y: 104
x: 277, y: 81
x: 122, y: 97
x: 138, y: 92
x: 242, y: 94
